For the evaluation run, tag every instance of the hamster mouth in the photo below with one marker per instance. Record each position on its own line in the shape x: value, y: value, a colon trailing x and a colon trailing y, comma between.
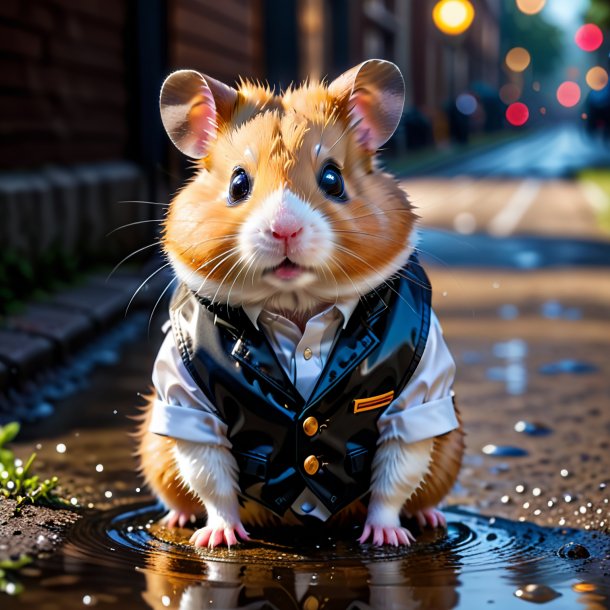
x: 286, y: 270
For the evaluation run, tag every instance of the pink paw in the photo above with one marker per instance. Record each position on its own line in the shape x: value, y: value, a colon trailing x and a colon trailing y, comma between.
x: 212, y: 536
x: 394, y: 536
x: 176, y: 518
x: 431, y: 517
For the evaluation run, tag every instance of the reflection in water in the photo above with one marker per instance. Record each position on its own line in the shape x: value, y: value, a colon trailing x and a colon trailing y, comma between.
x: 125, y: 558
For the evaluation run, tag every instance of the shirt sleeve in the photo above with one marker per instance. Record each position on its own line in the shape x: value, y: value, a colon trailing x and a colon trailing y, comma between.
x: 424, y: 409
x: 181, y: 410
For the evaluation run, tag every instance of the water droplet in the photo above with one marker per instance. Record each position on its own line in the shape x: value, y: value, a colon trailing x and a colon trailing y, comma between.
x: 536, y: 491
x: 508, y: 312
x: 520, y: 489
x: 108, y: 494
x: 99, y: 468
x: 564, y: 473
x: 568, y: 366
x: 89, y: 600
x: 538, y: 594
x: 572, y: 550
x: 532, y: 428
x: 504, y: 451
x: 60, y: 448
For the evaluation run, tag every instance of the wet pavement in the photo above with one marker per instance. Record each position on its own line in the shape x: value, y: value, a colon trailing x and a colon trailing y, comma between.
x: 528, y: 519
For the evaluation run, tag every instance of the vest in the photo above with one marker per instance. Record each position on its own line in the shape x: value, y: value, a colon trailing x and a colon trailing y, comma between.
x: 283, y: 443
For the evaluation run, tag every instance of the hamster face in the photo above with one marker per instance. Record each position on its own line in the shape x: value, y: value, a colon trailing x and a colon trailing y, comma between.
x: 288, y: 207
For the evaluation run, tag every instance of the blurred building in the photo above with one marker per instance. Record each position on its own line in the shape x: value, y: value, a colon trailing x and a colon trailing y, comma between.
x: 79, y: 85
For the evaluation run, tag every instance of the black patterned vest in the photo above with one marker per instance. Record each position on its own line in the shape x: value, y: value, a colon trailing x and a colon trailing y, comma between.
x: 282, y: 442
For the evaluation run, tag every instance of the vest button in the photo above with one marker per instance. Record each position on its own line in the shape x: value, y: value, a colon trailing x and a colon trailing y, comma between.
x: 310, y: 426
x: 307, y: 353
x: 311, y: 465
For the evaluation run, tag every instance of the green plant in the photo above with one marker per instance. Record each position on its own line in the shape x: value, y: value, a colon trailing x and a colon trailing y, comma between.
x: 8, y: 583
x: 16, y: 480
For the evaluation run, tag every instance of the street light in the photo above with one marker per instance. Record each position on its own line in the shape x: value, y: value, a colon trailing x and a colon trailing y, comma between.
x: 453, y: 17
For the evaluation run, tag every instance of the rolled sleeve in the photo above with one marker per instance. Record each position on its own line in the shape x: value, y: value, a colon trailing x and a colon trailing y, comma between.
x: 181, y: 410
x: 424, y: 409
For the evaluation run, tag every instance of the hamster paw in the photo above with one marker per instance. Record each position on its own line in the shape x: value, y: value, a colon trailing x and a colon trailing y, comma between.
x: 176, y: 518
x: 431, y: 517
x: 395, y: 536
x: 216, y: 535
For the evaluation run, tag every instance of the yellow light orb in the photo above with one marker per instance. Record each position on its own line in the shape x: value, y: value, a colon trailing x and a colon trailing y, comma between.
x: 518, y: 59
x: 453, y: 17
x: 530, y: 7
x: 597, y: 78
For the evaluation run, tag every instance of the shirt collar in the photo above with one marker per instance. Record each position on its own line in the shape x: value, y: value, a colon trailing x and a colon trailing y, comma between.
x: 345, y: 308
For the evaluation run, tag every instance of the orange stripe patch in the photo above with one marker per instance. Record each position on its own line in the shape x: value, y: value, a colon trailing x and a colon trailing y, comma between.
x: 374, y: 402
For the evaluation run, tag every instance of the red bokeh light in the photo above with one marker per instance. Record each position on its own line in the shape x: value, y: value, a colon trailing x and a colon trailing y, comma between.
x: 517, y: 114
x: 589, y: 37
x: 568, y: 94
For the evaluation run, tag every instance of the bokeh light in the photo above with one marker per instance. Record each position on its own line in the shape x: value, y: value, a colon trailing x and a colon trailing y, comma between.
x: 517, y: 114
x: 518, y: 59
x: 597, y: 78
x: 466, y: 104
x: 530, y: 7
x: 536, y: 86
x: 589, y: 37
x: 453, y: 17
x: 510, y: 93
x: 568, y: 94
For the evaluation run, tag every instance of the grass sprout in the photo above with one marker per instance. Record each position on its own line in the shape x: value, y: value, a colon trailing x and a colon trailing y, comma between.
x: 17, y: 481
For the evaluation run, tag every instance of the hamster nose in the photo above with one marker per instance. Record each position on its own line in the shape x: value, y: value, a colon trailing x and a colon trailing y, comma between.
x: 285, y: 232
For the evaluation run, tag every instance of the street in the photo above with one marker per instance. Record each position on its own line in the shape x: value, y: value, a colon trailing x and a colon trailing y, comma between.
x: 523, y: 186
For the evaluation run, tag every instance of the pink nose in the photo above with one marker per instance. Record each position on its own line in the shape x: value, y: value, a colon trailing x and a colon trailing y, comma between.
x: 285, y: 234
x: 285, y: 230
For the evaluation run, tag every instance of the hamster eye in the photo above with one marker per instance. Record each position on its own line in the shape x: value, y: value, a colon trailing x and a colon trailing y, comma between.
x: 331, y: 182
x: 239, y: 187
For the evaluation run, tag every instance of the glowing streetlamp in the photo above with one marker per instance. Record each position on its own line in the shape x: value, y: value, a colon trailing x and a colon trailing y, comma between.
x: 453, y: 17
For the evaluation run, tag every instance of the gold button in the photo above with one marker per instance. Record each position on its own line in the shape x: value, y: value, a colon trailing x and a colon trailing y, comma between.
x: 310, y: 426
x: 311, y: 603
x: 307, y: 353
x: 311, y: 464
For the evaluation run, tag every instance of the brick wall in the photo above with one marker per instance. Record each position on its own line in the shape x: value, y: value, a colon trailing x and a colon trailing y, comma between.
x: 221, y: 38
x: 63, y: 75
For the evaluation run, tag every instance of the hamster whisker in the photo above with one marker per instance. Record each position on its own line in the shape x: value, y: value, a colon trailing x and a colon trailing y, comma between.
x: 225, y: 255
x: 340, y: 266
x: 384, y: 213
x: 332, y: 275
x: 163, y: 205
x: 237, y: 276
x: 152, y: 313
x: 243, y: 282
x: 351, y: 253
x: 143, y: 283
x: 237, y: 262
x: 132, y: 224
x: 154, y: 243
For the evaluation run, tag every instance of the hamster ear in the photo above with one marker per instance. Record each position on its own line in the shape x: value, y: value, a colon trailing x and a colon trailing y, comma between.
x: 191, y: 104
x: 375, y: 93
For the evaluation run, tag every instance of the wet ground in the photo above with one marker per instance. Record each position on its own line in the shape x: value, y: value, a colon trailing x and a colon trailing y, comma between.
x: 528, y: 520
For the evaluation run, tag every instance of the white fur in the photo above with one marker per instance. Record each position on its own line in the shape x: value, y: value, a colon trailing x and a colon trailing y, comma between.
x: 398, y: 470
x: 211, y: 473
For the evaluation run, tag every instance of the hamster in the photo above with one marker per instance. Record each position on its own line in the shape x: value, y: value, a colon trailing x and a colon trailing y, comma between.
x: 290, y: 231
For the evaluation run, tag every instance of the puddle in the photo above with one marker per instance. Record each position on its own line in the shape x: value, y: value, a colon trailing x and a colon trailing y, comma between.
x: 121, y: 558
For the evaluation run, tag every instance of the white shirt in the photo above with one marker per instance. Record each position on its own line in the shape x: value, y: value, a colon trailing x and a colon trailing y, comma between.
x: 423, y: 409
